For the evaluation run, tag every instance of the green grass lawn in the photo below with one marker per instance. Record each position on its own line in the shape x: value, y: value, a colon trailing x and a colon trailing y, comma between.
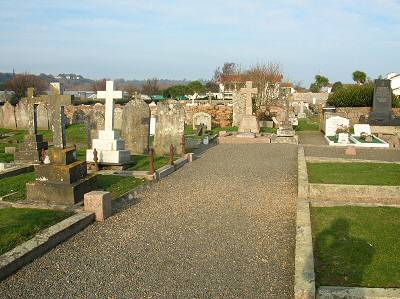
x: 356, y: 246
x: 117, y: 185
x: 6, y: 158
x: 308, y: 124
x: 16, y: 183
x: 143, y: 162
x: 20, y: 225
x: 268, y: 130
x: 380, y: 174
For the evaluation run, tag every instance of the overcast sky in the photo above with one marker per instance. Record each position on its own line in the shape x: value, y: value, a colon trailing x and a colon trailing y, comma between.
x: 188, y: 39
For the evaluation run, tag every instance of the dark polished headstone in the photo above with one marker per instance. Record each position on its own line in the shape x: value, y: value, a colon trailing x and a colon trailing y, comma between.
x: 382, y: 105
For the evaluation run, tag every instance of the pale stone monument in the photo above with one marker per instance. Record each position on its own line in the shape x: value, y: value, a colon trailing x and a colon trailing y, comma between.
x: 136, y: 126
x: 286, y: 127
x: 301, y: 113
x: 170, y: 127
x: 334, y: 123
x: 109, y: 146
x: 202, y: 118
x: 249, y: 123
x: 239, y: 108
x: 361, y: 128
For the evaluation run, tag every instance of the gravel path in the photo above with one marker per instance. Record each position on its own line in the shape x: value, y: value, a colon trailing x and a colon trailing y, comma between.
x: 221, y: 227
x: 311, y: 137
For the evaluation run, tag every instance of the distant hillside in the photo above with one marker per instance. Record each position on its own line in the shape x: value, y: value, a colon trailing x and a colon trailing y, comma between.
x: 78, y: 82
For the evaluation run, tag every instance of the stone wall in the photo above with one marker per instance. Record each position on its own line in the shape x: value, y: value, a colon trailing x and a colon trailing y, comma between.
x: 221, y: 114
x: 307, y: 97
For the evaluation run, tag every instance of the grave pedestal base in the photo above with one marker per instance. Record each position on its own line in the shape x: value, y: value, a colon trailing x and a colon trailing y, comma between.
x: 64, y: 181
x: 110, y: 149
x: 51, y: 192
x: 249, y: 124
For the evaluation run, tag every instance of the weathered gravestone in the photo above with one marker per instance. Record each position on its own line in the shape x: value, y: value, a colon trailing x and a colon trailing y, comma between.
x: 334, y: 123
x: 382, y: 105
x: 30, y: 151
x: 239, y: 108
x: 109, y: 145
x: 94, y: 123
x: 202, y: 118
x: 169, y: 128
x: 286, y: 127
x: 249, y: 123
x: 22, y: 114
x: 9, y: 121
x: 63, y: 180
x: 136, y: 126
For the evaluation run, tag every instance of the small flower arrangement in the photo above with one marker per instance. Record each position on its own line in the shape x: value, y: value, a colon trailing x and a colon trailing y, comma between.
x: 342, y: 129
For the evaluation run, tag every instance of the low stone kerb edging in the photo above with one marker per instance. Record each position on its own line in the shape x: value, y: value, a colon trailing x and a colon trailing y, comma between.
x: 385, y: 194
x: 302, y: 175
x: 44, y: 241
x: 304, y: 283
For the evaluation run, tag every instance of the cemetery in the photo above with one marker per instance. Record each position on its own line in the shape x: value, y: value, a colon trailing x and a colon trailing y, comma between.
x: 332, y: 175
x: 57, y: 180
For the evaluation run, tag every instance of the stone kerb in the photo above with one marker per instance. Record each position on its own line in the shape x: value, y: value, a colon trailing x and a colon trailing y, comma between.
x: 44, y: 241
x: 304, y: 284
x: 359, y: 193
x: 302, y: 190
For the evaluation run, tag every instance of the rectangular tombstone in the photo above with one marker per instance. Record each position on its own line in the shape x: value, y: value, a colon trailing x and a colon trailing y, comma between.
x: 361, y: 128
x: 335, y: 122
x: 202, y: 118
x: 170, y: 127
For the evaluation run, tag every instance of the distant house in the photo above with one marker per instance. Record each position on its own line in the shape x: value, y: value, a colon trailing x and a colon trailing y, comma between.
x: 81, y: 94
x: 395, y: 82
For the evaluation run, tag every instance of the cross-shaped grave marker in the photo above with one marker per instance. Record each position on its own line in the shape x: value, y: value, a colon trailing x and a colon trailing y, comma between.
x: 109, y: 95
x: 247, y: 92
x: 56, y: 102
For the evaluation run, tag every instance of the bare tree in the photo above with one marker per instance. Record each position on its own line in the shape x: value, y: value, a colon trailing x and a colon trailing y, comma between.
x: 130, y: 89
x: 150, y: 87
x: 266, y: 78
x: 99, y: 85
x: 20, y: 83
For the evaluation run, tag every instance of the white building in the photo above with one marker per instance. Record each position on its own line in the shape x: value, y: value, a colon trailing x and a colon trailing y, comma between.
x: 395, y: 82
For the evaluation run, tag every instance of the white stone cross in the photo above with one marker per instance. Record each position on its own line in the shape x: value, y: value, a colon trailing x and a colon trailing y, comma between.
x: 109, y: 94
x: 248, y: 91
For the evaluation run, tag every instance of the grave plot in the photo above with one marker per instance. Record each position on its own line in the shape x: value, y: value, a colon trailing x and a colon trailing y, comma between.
x: 356, y: 246
x: 338, y: 133
x: 347, y: 226
x: 20, y: 225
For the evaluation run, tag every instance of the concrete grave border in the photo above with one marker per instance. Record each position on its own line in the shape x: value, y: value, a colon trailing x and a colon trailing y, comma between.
x: 42, y: 242
x: 360, y: 193
x: 304, y: 285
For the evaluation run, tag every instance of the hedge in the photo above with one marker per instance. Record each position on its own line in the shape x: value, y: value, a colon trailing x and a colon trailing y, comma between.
x: 356, y: 96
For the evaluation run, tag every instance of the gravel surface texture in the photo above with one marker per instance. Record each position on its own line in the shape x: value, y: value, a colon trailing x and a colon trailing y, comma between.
x: 390, y: 155
x: 311, y: 137
x: 220, y: 227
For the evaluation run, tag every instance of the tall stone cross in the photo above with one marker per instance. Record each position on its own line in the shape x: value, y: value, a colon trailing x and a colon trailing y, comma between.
x: 56, y: 102
x: 109, y: 94
x: 32, y: 111
x: 247, y: 92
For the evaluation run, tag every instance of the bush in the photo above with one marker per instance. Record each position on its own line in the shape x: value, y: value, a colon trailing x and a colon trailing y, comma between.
x: 352, y: 96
